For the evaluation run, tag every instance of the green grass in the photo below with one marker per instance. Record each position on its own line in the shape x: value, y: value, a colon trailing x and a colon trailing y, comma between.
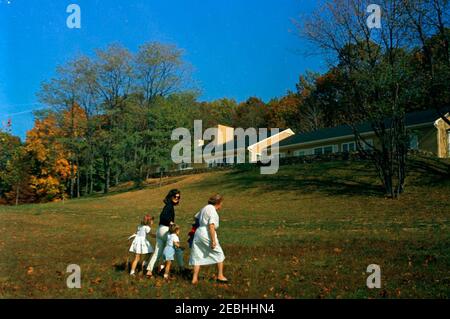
x: 308, y: 232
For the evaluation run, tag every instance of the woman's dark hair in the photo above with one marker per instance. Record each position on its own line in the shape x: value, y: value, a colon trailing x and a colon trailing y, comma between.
x: 170, y: 195
x: 215, y: 199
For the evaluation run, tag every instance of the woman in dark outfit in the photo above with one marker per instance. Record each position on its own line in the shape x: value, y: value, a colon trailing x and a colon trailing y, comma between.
x: 166, y: 218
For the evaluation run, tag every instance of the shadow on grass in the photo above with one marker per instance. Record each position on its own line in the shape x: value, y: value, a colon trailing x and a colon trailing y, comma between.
x: 323, y: 184
x: 125, y: 267
x: 331, y: 178
x: 432, y: 170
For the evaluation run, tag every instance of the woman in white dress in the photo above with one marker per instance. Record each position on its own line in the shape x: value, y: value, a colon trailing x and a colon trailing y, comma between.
x: 206, y: 249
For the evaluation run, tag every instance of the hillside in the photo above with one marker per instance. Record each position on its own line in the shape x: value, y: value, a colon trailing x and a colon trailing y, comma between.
x: 308, y: 232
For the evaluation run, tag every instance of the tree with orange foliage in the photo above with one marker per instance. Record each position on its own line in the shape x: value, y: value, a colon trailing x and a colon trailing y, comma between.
x: 50, y: 168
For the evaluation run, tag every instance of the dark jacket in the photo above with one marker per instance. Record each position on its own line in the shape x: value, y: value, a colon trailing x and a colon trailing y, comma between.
x: 167, y: 215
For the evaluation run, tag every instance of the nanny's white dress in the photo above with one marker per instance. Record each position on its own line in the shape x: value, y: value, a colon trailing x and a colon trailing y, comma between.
x: 140, y: 244
x: 201, y: 251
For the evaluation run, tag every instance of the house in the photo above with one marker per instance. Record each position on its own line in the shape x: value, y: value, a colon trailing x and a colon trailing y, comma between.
x: 230, y: 146
x: 428, y: 132
x: 239, y: 146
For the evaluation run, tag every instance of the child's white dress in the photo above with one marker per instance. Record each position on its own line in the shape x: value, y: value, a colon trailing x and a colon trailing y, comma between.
x: 140, y: 244
x: 169, y: 250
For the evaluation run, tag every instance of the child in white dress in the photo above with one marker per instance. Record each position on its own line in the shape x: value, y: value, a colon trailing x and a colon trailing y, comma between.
x: 172, y: 248
x: 140, y: 245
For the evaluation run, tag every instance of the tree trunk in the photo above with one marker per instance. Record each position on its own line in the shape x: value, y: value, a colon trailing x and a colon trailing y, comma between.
x: 107, y: 171
x: 91, y: 180
x: 71, y: 179
x: 86, y: 185
x: 17, y: 194
x: 78, y: 179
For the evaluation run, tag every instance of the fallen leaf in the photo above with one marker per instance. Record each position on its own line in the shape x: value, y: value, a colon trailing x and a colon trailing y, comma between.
x: 30, y: 270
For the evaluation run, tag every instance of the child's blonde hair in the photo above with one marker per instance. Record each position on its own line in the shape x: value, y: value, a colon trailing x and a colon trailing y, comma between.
x: 174, y: 228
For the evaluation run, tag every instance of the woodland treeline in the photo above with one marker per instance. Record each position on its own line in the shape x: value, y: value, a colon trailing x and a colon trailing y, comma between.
x: 110, y: 114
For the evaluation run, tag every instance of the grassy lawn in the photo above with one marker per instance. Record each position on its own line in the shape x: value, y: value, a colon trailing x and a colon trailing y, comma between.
x: 308, y: 232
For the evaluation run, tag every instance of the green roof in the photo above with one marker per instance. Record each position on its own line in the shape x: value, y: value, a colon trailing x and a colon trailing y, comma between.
x: 414, y: 118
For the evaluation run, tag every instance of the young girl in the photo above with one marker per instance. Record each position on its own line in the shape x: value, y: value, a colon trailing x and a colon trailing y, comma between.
x: 172, y: 248
x: 140, y: 245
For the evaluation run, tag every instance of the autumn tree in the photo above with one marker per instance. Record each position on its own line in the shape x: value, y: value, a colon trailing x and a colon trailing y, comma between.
x: 284, y: 112
x: 375, y: 76
x: 251, y: 113
x: 312, y: 115
x: 50, y: 169
x: 326, y: 96
x: 221, y: 111
x: 428, y: 26
x: 72, y: 94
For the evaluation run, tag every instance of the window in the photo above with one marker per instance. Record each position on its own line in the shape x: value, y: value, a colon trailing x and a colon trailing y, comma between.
x: 413, y: 142
x: 328, y: 149
x: 351, y: 146
x: 304, y: 152
x: 283, y: 155
x: 368, y: 145
x: 348, y: 147
x: 299, y: 153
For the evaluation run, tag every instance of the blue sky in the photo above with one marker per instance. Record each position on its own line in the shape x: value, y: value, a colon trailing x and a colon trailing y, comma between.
x: 238, y: 48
